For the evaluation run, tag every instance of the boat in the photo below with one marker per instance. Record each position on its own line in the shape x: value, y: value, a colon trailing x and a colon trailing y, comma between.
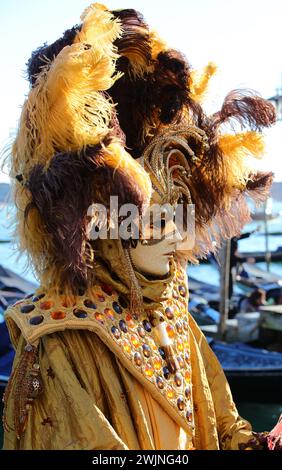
x: 253, y: 374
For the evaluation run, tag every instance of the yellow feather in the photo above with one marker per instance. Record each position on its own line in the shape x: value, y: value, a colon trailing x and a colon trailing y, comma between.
x: 199, y: 82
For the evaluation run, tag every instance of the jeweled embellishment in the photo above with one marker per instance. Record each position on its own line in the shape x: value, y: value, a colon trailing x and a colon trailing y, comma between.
x: 170, y: 393
x: 90, y: 304
x: 123, y: 326
x: 99, y: 316
x: 162, y: 353
x: 187, y: 376
x: 46, y: 305
x: 58, y: 315
x: 188, y: 392
x: 169, y: 313
x: 138, y: 359
x: 109, y: 313
x: 126, y: 346
x: 135, y: 341
x: 166, y: 372
x: 117, y: 308
x: 186, y: 342
x: 180, y: 345
x: 129, y: 321
x: 146, y: 350
x: 185, y: 325
x: 115, y: 332
x: 170, y: 331
x: 78, y: 313
x: 178, y: 379
x: 157, y: 363
x: 187, y: 357
x: 180, y: 362
x: 149, y: 370
x: 189, y: 415
x: 141, y: 332
x: 160, y: 382
x: 36, y: 320
x: 101, y: 298
x: 37, y: 297
x: 182, y: 291
x: 179, y: 327
x: 27, y: 308
x: 180, y: 403
x: 147, y: 325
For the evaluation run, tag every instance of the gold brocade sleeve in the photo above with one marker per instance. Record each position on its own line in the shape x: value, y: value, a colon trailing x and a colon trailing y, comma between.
x: 234, y: 433
x: 77, y: 407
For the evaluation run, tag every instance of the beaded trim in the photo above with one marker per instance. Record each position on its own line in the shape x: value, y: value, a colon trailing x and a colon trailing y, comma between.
x: 134, y: 341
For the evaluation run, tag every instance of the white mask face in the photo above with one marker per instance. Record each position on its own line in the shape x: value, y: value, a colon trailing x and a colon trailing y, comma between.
x: 153, y: 258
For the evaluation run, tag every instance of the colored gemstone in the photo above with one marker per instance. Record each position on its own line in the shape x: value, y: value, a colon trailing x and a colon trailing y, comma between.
x: 187, y: 376
x: 185, y: 325
x: 157, y: 363
x: 179, y: 328
x: 170, y: 331
x: 149, y: 371
x: 187, y: 357
x: 135, y: 341
x: 123, y: 326
x: 117, y: 308
x: 146, y: 350
x: 189, y: 415
x: 170, y: 392
x: 162, y: 353
x: 29, y: 296
x: 137, y: 359
x: 90, y: 304
x: 169, y: 313
x: 27, y: 308
x: 160, y: 382
x: 109, y: 313
x: 107, y: 289
x: 141, y: 331
x: 36, y: 320
x: 99, y: 316
x: 188, y: 392
x: 126, y: 346
x: 180, y: 345
x: 178, y: 379
x: 37, y: 297
x: 166, y: 372
x: 46, y: 305
x: 80, y: 313
x: 122, y: 301
x: 101, y: 298
x: 130, y: 321
x: 58, y: 315
x: 180, y: 403
x: 182, y: 291
x: 147, y: 325
x: 115, y: 332
x: 180, y: 362
x: 175, y: 294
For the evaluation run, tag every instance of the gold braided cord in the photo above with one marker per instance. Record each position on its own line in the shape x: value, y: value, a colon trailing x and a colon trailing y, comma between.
x: 172, y: 180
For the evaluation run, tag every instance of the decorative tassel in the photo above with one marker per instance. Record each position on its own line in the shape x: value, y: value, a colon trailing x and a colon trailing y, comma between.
x: 166, y: 345
x: 24, y: 385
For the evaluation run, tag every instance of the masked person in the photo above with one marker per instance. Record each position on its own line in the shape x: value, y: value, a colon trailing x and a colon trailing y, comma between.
x: 107, y: 355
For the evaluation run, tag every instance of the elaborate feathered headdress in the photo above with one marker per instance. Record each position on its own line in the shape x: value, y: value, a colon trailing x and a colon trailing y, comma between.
x: 99, y: 96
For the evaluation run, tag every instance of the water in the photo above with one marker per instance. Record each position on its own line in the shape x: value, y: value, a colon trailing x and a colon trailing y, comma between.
x: 263, y: 416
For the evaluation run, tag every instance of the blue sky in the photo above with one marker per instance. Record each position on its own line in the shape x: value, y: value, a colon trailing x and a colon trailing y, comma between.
x: 242, y: 36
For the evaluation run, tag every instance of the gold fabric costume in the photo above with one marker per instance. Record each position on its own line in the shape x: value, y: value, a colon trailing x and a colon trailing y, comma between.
x: 105, y: 383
